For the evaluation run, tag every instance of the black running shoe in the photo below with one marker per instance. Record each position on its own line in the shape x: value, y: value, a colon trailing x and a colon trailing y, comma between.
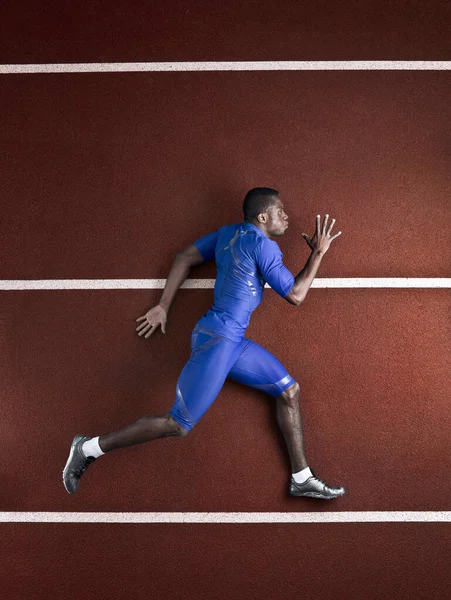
x: 76, y: 464
x: 315, y: 488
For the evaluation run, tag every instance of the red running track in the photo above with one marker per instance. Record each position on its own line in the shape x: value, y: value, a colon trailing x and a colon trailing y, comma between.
x: 206, y: 30
x: 108, y: 176
x: 102, y: 179
x: 213, y: 562
x: 372, y: 365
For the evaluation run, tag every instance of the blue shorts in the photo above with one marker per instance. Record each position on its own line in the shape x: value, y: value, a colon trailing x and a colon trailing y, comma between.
x: 213, y: 359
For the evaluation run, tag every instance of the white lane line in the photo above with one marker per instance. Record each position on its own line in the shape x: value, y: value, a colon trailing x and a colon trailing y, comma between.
x: 228, y: 517
x: 148, y: 284
x: 281, y: 65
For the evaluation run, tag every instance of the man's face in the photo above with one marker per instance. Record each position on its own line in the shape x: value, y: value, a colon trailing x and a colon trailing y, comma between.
x: 277, y: 218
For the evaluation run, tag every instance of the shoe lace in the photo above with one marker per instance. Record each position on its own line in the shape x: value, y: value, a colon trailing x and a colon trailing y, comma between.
x: 325, y: 486
x: 82, y: 468
x: 317, y: 479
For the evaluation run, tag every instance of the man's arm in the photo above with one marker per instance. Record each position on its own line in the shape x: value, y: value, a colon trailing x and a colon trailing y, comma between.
x: 304, y: 278
x: 196, y: 253
x: 319, y: 244
x: 179, y: 272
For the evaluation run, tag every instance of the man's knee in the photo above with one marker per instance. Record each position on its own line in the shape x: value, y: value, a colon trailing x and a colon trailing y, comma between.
x: 177, y: 429
x: 291, y: 393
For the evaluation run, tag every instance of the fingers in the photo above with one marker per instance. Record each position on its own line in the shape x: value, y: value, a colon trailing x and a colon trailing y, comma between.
x: 325, y: 230
x: 151, y: 330
x: 150, y: 321
x: 144, y: 328
x: 307, y: 239
x: 148, y: 328
x: 330, y: 226
x: 336, y: 235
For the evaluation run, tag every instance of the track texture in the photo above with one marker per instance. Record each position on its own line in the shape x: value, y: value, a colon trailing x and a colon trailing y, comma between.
x: 108, y: 176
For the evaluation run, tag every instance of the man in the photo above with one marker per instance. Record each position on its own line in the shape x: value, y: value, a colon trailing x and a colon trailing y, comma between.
x: 246, y: 258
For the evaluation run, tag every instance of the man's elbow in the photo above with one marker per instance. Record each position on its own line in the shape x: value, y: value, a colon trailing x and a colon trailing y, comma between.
x: 190, y: 256
x: 293, y: 299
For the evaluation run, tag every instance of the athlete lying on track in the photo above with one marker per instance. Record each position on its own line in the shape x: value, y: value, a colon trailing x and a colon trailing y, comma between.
x: 246, y: 258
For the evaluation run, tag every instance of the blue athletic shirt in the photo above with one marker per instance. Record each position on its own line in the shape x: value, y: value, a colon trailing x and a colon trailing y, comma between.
x: 245, y: 258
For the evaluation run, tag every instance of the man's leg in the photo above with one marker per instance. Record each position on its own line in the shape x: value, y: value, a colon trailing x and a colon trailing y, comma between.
x: 198, y: 385
x: 143, y: 430
x: 258, y: 368
x: 290, y: 422
x: 85, y: 450
x: 154, y: 427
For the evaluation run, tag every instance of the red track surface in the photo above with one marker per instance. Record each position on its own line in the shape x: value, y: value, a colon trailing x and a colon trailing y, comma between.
x: 108, y: 176
x: 373, y: 366
x: 114, y: 31
x: 132, y: 167
x: 214, y: 562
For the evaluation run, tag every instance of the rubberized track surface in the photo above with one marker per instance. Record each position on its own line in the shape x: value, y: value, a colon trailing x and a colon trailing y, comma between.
x: 108, y: 176
x: 76, y: 362
x: 233, y: 561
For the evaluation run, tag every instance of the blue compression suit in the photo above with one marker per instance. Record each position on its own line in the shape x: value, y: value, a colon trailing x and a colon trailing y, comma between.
x: 246, y: 258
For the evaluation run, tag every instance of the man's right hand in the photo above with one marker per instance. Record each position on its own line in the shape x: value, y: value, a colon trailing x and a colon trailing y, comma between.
x: 321, y: 240
x: 154, y: 317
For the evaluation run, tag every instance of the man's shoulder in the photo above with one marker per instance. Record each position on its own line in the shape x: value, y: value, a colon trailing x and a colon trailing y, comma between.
x: 228, y: 228
x: 268, y: 246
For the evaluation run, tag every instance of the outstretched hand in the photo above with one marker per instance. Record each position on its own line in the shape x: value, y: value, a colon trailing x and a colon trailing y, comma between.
x: 154, y: 317
x: 321, y: 239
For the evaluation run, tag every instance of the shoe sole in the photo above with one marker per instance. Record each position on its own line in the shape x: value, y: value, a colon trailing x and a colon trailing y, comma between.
x: 75, y: 441
x: 314, y: 495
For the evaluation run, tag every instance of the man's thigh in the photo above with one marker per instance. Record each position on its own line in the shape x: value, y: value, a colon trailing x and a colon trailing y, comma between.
x: 203, y: 376
x: 258, y: 368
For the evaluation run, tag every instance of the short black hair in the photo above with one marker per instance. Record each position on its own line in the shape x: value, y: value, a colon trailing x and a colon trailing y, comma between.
x: 257, y: 201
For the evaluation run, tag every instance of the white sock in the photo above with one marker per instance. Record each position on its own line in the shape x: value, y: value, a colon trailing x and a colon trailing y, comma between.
x: 91, y: 448
x: 302, y: 476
